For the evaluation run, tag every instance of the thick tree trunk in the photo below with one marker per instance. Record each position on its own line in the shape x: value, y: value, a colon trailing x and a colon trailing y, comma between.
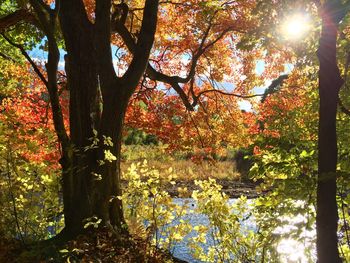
x: 106, y: 190
x: 330, y: 82
x: 80, y: 199
x: 91, y: 81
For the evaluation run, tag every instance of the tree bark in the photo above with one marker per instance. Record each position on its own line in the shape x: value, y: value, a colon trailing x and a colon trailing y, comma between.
x: 92, y: 80
x: 82, y: 84
x: 15, y: 17
x: 330, y: 82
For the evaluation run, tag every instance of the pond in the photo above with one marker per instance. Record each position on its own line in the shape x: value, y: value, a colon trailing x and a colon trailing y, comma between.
x: 288, y: 249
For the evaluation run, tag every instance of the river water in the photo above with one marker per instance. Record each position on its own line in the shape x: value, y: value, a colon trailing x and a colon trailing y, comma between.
x: 289, y: 250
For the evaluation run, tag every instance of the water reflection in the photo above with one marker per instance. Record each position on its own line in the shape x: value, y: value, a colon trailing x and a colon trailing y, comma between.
x: 291, y: 250
x: 288, y: 250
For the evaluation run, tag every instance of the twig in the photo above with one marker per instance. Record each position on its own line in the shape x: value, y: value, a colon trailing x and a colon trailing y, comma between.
x: 15, y: 213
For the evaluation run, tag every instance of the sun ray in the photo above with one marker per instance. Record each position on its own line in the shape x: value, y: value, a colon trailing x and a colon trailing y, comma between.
x: 295, y: 27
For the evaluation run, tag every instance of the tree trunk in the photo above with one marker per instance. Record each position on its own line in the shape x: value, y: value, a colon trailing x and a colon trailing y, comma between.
x: 330, y: 82
x: 92, y: 81
x: 108, y: 206
x: 82, y: 82
x: 84, y: 195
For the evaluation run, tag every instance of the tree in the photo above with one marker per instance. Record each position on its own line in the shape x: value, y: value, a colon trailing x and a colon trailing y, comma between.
x: 217, y: 124
x: 331, y: 13
x: 201, y: 44
x: 85, y: 42
x: 330, y: 82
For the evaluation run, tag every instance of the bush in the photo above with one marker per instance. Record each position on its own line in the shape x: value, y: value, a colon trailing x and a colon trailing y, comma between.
x: 243, y: 159
x: 136, y: 137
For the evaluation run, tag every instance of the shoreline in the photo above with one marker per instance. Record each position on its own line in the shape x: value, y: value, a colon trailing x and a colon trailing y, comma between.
x: 232, y: 188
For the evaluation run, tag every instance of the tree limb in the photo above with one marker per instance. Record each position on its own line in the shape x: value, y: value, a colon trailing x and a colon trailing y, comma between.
x: 29, y: 59
x: 7, y: 57
x: 144, y: 44
x: 47, y: 18
x: 342, y: 107
x: 173, y: 81
x: 16, y: 17
x: 102, y: 29
x: 275, y: 85
x: 228, y: 94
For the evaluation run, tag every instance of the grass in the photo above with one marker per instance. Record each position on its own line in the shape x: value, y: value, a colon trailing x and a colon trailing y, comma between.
x: 183, y: 167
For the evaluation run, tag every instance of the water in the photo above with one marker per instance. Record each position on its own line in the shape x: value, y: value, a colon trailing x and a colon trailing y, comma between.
x: 181, y: 249
x: 289, y: 250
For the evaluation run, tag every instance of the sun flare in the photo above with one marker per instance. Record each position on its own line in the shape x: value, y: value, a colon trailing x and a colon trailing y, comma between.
x: 295, y: 27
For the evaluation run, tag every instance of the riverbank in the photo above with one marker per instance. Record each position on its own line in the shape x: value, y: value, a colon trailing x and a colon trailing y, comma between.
x: 185, y: 171
x: 232, y: 188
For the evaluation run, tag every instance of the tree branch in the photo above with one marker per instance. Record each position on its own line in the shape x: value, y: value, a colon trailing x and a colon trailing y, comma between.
x: 16, y: 17
x: 150, y: 71
x: 275, y: 85
x: 29, y: 59
x: 143, y: 46
x: 44, y: 6
x: 43, y: 14
x: 342, y: 107
x: 47, y: 19
x: 7, y: 57
x: 102, y: 30
x: 175, y: 81
x: 228, y: 94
